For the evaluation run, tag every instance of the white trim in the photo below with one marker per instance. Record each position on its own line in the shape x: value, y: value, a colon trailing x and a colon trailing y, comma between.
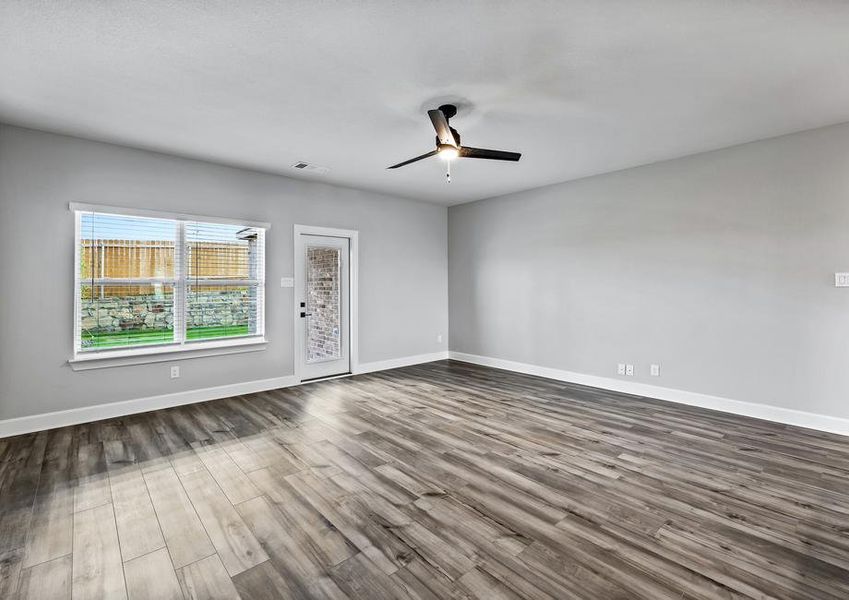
x: 180, y: 284
x: 161, y: 214
x: 141, y: 355
x: 404, y: 361
x: 326, y: 231
x: 181, y: 288
x: 87, y: 414
x: 99, y: 412
x: 77, y: 299
x: 767, y: 412
x: 21, y: 425
x: 353, y: 290
x: 194, y: 281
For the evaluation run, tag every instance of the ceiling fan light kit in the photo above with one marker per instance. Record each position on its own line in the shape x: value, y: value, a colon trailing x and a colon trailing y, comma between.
x: 448, y: 145
x: 448, y: 152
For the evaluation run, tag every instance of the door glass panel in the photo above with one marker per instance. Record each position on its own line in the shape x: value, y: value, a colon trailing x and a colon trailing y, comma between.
x: 323, y: 304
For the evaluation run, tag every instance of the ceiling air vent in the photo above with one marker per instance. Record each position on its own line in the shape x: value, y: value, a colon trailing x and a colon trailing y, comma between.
x: 309, y: 168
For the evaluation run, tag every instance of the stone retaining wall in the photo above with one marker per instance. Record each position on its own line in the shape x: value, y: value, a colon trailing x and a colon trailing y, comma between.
x: 206, y: 309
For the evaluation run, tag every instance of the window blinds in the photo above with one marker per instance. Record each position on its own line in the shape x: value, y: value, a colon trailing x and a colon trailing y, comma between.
x: 224, y: 278
x: 145, y: 281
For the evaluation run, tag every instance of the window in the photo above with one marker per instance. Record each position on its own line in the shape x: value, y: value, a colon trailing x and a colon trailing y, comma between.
x: 145, y: 281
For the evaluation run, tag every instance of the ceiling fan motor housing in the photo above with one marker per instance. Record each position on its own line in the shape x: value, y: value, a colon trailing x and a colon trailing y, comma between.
x: 456, y: 138
x: 449, y: 110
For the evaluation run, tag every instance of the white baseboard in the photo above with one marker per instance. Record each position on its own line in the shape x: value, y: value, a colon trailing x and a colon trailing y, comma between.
x: 749, y: 409
x: 86, y: 414
x: 395, y: 363
x: 21, y: 425
x: 98, y: 412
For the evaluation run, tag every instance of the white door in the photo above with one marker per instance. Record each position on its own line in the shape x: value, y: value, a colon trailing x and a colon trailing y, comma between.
x: 324, y: 305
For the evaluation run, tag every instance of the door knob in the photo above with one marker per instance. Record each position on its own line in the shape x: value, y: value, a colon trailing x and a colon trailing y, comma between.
x: 305, y: 314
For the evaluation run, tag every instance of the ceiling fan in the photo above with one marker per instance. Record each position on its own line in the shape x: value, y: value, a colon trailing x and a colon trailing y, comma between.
x: 448, y: 143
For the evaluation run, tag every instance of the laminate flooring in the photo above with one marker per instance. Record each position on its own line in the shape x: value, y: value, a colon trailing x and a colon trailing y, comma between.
x: 442, y: 480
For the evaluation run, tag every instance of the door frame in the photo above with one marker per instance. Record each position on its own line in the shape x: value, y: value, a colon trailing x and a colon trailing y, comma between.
x: 353, y: 289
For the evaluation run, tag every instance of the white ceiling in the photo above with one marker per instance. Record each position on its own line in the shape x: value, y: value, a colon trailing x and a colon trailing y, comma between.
x: 579, y: 87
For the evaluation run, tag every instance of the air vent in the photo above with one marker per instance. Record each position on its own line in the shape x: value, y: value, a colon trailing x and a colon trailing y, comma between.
x: 310, y: 168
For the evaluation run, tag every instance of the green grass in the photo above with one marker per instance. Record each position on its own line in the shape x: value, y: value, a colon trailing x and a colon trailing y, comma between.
x: 202, y: 333
x: 157, y: 336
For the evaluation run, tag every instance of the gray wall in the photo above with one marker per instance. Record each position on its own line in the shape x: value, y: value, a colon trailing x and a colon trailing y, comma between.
x: 717, y: 266
x: 403, y: 262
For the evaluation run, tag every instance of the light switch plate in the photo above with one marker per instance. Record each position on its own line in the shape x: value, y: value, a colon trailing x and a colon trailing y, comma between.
x: 287, y: 282
x: 841, y: 280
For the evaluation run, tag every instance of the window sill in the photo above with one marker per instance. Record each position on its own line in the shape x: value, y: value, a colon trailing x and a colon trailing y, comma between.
x: 155, y: 354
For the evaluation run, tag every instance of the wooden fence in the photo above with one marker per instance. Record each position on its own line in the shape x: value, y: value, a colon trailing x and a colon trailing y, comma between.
x: 123, y: 259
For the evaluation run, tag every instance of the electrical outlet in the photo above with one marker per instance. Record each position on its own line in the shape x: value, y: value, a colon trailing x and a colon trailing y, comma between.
x: 175, y: 372
x: 629, y: 370
x: 655, y: 370
x: 438, y: 338
x: 620, y: 369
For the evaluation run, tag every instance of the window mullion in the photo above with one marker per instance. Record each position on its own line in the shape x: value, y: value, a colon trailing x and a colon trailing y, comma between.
x: 180, y: 272
x: 259, y: 274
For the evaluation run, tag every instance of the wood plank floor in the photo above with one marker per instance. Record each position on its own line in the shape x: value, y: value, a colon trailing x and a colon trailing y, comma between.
x: 444, y: 480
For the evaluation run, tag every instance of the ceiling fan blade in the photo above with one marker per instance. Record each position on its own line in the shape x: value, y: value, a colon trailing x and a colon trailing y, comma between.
x: 412, y: 160
x: 468, y: 152
x: 440, y: 123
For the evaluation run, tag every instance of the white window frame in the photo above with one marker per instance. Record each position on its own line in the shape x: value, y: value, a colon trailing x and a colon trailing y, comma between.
x: 180, y: 348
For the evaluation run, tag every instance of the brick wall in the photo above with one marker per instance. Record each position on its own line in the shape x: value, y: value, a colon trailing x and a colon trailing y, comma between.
x: 323, y: 302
